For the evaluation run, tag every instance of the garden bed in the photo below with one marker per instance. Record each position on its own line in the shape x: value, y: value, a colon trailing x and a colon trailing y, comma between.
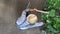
x: 52, y: 20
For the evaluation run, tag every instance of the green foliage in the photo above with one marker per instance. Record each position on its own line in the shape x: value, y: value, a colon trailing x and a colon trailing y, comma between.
x: 52, y: 4
x: 52, y: 21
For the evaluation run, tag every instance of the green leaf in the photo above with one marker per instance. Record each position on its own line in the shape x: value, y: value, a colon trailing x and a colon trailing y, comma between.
x: 57, y: 20
x: 52, y: 13
x: 51, y: 29
x: 57, y: 4
x: 44, y: 16
x: 48, y: 21
x: 55, y: 25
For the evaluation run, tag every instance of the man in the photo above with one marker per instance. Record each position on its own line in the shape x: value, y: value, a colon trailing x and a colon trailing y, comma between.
x: 22, y: 22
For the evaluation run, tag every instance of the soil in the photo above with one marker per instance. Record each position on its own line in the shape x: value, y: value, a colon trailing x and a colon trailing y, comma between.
x: 10, y: 10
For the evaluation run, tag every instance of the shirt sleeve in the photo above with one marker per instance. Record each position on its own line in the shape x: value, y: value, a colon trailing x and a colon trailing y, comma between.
x: 22, y: 18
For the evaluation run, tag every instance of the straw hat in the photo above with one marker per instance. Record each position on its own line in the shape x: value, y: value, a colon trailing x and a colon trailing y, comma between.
x: 32, y: 18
